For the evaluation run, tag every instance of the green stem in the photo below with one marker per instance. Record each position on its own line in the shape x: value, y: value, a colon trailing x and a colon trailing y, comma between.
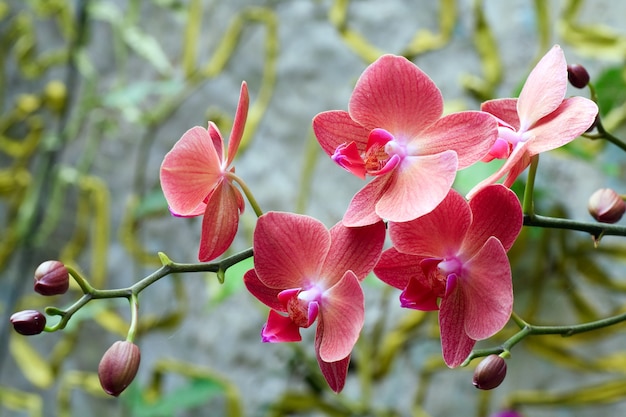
x: 134, y: 320
x: 246, y: 190
x: 527, y: 329
x: 597, y: 230
x: 528, y: 206
x: 133, y: 291
x: 602, y: 133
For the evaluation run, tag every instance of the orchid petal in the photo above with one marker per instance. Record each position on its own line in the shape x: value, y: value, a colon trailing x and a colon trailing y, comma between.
x: 417, y: 186
x: 335, y: 128
x: 504, y: 109
x: 571, y: 119
x: 334, y: 372
x: 394, y: 94
x: 349, y: 158
x: 544, y: 89
x: 355, y: 249
x: 239, y: 123
x: 189, y: 171
x: 488, y: 291
x: 217, y: 139
x: 280, y: 328
x: 265, y: 294
x: 496, y: 212
x: 220, y: 222
x: 362, y: 208
x: 456, y: 345
x: 470, y: 134
x: 420, y: 294
x: 437, y: 234
x: 514, y: 165
x: 342, y: 313
x: 289, y: 249
x: 397, y: 268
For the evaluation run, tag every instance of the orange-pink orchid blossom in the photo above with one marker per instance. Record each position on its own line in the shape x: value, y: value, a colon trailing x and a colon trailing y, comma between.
x: 541, y: 119
x: 394, y: 130
x: 197, y: 178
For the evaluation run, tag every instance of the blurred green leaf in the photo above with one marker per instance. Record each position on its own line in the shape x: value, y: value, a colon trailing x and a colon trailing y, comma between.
x: 194, y: 394
x: 152, y: 203
x: 611, y: 89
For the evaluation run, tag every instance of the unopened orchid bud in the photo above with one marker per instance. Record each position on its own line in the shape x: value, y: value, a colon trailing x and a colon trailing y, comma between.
x: 490, y: 372
x: 577, y: 75
x: 28, y: 322
x: 606, y: 206
x: 118, y: 367
x: 51, y: 278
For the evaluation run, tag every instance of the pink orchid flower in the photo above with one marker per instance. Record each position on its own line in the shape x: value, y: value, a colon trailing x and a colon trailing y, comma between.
x: 196, y: 179
x: 394, y: 131
x: 454, y: 260
x: 306, y: 273
x: 541, y: 119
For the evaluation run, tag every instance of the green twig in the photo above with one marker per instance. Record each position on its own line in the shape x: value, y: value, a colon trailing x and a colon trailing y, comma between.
x: 133, y: 291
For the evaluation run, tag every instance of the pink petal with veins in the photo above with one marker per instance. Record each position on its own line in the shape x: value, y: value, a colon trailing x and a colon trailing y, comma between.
x: 570, y: 120
x: 353, y: 248
x: 265, y: 294
x: 470, y: 134
x: 394, y: 94
x: 289, y: 249
x: 488, y: 291
x: 397, y: 268
x: 342, y: 313
x: 437, y: 234
x: 190, y: 171
x: 220, y: 222
x: 239, y: 123
x: 414, y: 189
x: 334, y: 372
x: 362, y: 208
x: 456, y: 345
x: 335, y: 128
x: 496, y: 212
x: 544, y: 88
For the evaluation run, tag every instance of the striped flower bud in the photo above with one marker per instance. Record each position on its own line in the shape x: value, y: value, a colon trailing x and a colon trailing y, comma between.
x: 51, y: 278
x: 28, y: 322
x: 118, y: 367
x: 606, y: 206
x: 490, y: 372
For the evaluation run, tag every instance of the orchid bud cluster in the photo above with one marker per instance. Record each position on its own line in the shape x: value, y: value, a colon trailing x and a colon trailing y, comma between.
x: 51, y: 278
x: 448, y: 252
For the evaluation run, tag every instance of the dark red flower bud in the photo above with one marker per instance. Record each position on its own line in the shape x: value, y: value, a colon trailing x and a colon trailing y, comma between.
x: 490, y: 372
x: 606, y: 206
x: 28, y: 322
x: 577, y: 75
x: 118, y: 367
x: 51, y: 278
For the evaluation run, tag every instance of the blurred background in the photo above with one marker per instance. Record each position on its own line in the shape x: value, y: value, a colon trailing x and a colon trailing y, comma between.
x: 94, y: 94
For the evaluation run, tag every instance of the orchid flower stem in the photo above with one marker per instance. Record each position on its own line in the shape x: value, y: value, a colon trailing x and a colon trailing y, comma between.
x: 246, y: 190
x: 602, y: 133
x: 527, y: 329
x: 597, y: 230
x: 82, y: 282
x: 529, y: 205
x: 134, y: 320
x: 132, y: 292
